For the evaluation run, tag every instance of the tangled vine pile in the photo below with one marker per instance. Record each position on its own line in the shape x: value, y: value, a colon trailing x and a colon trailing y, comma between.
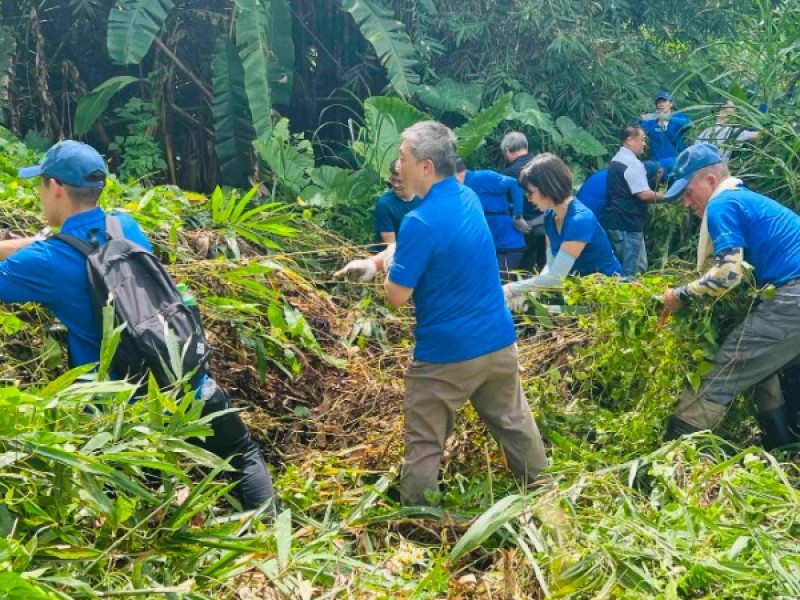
x: 105, y: 498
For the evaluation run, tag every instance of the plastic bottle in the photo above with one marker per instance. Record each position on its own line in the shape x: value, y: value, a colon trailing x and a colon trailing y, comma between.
x: 189, y: 300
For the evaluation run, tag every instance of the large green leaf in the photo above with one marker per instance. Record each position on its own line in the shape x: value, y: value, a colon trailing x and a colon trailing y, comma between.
x: 385, y: 118
x: 526, y: 111
x: 449, y: 95
x: 290, y: 159
x: 251, y: 41
x: 281, y: 45
x: 578, y: 138
x: 473, y: 132
x: 132, y: 26
x: 389, y: 39
x: 8, y: 45
x: 233, y: 128
x: 92, y: 105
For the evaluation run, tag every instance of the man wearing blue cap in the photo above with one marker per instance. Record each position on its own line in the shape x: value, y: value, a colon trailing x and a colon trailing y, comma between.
x: 746, y: 229
x: 666, y: 131
x: 72, y: 176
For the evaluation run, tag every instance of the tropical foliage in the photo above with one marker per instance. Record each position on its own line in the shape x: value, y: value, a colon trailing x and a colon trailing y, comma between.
x: 103, y: 497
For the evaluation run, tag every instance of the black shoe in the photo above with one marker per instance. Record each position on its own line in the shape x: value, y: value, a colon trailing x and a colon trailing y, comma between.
x: 677, y: 428
x: 775, y: 430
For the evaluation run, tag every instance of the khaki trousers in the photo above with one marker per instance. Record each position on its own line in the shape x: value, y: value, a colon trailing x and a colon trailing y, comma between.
x: 435, y: 391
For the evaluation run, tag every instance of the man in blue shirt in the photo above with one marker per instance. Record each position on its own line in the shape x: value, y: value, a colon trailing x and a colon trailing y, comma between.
x: 515, y: 150
x: 72, y: 176
x: 465, y: 338
x: 666, y: 131
x: 747, y: 230
x: 493, y: 191
x: 391, y: 209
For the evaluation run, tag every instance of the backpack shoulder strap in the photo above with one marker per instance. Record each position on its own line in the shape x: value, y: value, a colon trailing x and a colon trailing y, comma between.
x: 75, y: 242
x: 114, y: 228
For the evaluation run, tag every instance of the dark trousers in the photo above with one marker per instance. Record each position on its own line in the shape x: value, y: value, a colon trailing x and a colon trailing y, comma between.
x: 507, y: 261
x: 232, y: 440
x: 535, y: 256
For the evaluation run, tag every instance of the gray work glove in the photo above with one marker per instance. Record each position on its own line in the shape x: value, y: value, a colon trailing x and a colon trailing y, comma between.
x: 522, y: 225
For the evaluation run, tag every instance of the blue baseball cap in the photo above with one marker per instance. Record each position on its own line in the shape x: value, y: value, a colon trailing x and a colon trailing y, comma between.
x: 663, y: 95
x: 690, y: 161
x: 70, y: 162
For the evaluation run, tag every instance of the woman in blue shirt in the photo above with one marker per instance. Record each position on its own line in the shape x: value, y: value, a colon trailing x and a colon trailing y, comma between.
x: 576, y: 242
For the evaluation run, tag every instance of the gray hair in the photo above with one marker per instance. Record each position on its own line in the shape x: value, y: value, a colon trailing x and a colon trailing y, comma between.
x: 514, y: 141
x: 430, y: 140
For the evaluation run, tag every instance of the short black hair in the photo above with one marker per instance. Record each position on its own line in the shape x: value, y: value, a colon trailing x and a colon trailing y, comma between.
x: 393, y: 167
x: 550, y: 175
x: 460, y: 165
x: 85, y: 196
x: 630, y: 130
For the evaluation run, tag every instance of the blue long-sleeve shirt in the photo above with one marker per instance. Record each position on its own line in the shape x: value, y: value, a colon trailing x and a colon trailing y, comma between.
x: 493, y: 190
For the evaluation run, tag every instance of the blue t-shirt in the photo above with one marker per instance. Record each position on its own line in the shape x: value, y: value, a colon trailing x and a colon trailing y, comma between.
x: 666, y: 144
x: 390, y: 211
x: 594, y: 192
x: 445, y: 253
x: 53, y: 274
x: 493, y: 190
x: 768, y: 231
x: 581, y: 225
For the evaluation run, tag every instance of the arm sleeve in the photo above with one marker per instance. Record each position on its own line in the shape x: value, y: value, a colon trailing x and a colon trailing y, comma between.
x: 725, y: 275
x: 552, y: 277
x: 383, y: 218
x: 746, y: 135
x: 636, y: 178
x: 26, y: 277
x: 415, y: 247
x: 517, y: 195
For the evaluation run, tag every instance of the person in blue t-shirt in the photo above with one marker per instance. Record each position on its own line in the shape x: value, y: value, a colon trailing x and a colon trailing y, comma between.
x: 576, y: 242
x: 465, y: 338
x: 666, y: 131
x: 391, y: 209
x: 747, y: 230
x: 594, y: 191
x: 72, y: 176
x: 493, y: 191
x: 514, y: 146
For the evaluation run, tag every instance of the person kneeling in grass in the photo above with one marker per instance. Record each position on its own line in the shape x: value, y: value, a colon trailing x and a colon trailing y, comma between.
x: 576, y: 242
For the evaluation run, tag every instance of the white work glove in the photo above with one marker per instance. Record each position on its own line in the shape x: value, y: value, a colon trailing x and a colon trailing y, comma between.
x: 522, y: 225
x: 516, y: 302
x: 365, y: 269
x: 362, y: 269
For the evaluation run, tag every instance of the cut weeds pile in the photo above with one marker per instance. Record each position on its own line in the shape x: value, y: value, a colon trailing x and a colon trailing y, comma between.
x: 317, y: 367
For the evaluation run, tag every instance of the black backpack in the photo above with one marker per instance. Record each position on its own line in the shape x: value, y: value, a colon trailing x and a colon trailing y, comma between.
x: 131, y: 279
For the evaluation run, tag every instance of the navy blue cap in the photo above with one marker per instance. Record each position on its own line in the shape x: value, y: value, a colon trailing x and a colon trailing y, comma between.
x: 663, y: 95
x: 73, y: 163
x: 690, y: 161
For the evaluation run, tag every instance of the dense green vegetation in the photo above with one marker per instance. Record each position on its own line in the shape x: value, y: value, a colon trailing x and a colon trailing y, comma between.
x: 296, y: 107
